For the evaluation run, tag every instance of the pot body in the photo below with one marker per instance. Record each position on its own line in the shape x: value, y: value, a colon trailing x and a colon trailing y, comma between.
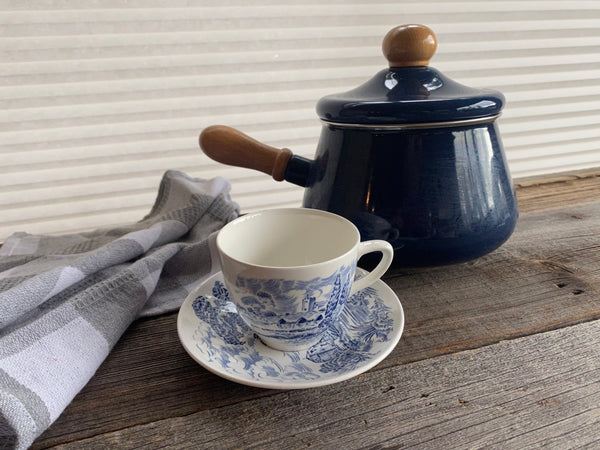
x: 438, y: 195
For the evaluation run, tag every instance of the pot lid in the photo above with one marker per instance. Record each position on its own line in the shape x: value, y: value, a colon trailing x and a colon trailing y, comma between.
x: 409, y: 91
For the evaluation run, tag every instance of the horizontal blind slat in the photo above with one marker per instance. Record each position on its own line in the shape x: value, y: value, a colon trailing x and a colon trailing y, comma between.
x: 268, y: 35
x: 141, y: 14
x: 574, y: 95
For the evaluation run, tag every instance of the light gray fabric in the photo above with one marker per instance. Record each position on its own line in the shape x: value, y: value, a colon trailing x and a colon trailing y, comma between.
x: 66, y: 300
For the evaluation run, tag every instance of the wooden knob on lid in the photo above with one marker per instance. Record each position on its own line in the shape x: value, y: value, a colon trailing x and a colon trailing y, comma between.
x: 409, y: 45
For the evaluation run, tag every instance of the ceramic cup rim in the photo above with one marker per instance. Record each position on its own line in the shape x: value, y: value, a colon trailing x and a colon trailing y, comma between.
x: 280, y: 211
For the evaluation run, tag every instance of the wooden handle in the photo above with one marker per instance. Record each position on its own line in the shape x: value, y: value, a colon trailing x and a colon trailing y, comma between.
x: 409, y: 45
x: 232, y: 147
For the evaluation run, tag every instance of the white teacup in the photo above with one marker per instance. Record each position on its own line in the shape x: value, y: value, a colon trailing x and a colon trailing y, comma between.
x: 290, y: 271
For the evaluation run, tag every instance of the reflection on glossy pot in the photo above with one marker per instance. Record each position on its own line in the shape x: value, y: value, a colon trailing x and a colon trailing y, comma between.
x: 438, y: 196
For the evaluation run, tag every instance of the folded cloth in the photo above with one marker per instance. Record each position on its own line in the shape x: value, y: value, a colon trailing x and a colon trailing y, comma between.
x: 66, y: 300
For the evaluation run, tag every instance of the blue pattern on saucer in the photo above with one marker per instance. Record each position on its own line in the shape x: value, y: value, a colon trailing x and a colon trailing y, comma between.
x: 214, y: 334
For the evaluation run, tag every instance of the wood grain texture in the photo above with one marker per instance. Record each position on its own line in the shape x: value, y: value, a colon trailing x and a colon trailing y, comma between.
x: 409, y: 45
x: 546, y: 277
x: 543, y: 192
x: 540, y: 390
x: 232, y: 147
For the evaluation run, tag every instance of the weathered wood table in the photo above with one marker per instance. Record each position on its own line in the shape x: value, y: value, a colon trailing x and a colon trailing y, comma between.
x: 501, y: 352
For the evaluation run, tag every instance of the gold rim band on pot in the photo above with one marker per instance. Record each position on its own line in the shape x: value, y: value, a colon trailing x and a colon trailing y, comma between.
x: 413, y: 126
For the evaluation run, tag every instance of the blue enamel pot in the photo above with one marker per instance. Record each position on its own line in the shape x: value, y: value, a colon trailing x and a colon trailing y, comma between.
x: 410, y: 156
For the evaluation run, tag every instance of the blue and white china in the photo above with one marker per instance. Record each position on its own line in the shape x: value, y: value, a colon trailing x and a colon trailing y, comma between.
x: 410, y: 156
x: 290, y: 271
x: 215, y: 336
x: 300, y: 318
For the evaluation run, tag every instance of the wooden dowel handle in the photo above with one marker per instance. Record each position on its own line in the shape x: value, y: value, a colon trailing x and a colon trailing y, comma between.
x: 232, y: 147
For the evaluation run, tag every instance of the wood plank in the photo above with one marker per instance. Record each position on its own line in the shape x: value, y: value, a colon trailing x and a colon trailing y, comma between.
x: 543, y: 192
x: 533, y: 283
x: 534, y: 391
x: 546, y: 276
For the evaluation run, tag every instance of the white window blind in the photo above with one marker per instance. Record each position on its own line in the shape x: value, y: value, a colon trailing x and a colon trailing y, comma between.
x: 99, y: 98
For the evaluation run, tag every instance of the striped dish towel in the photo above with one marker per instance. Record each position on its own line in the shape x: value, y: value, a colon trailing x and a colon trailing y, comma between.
x: 66, y: 300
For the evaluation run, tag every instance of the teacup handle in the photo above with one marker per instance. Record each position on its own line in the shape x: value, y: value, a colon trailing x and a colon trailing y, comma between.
x: 387, y: 256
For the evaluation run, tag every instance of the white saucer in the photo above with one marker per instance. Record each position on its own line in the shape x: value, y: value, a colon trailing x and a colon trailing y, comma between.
x: 215, y: 336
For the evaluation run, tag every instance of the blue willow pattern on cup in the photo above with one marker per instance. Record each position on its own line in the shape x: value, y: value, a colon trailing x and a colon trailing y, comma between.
x: 294, y: 310
x: 229, y: 343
